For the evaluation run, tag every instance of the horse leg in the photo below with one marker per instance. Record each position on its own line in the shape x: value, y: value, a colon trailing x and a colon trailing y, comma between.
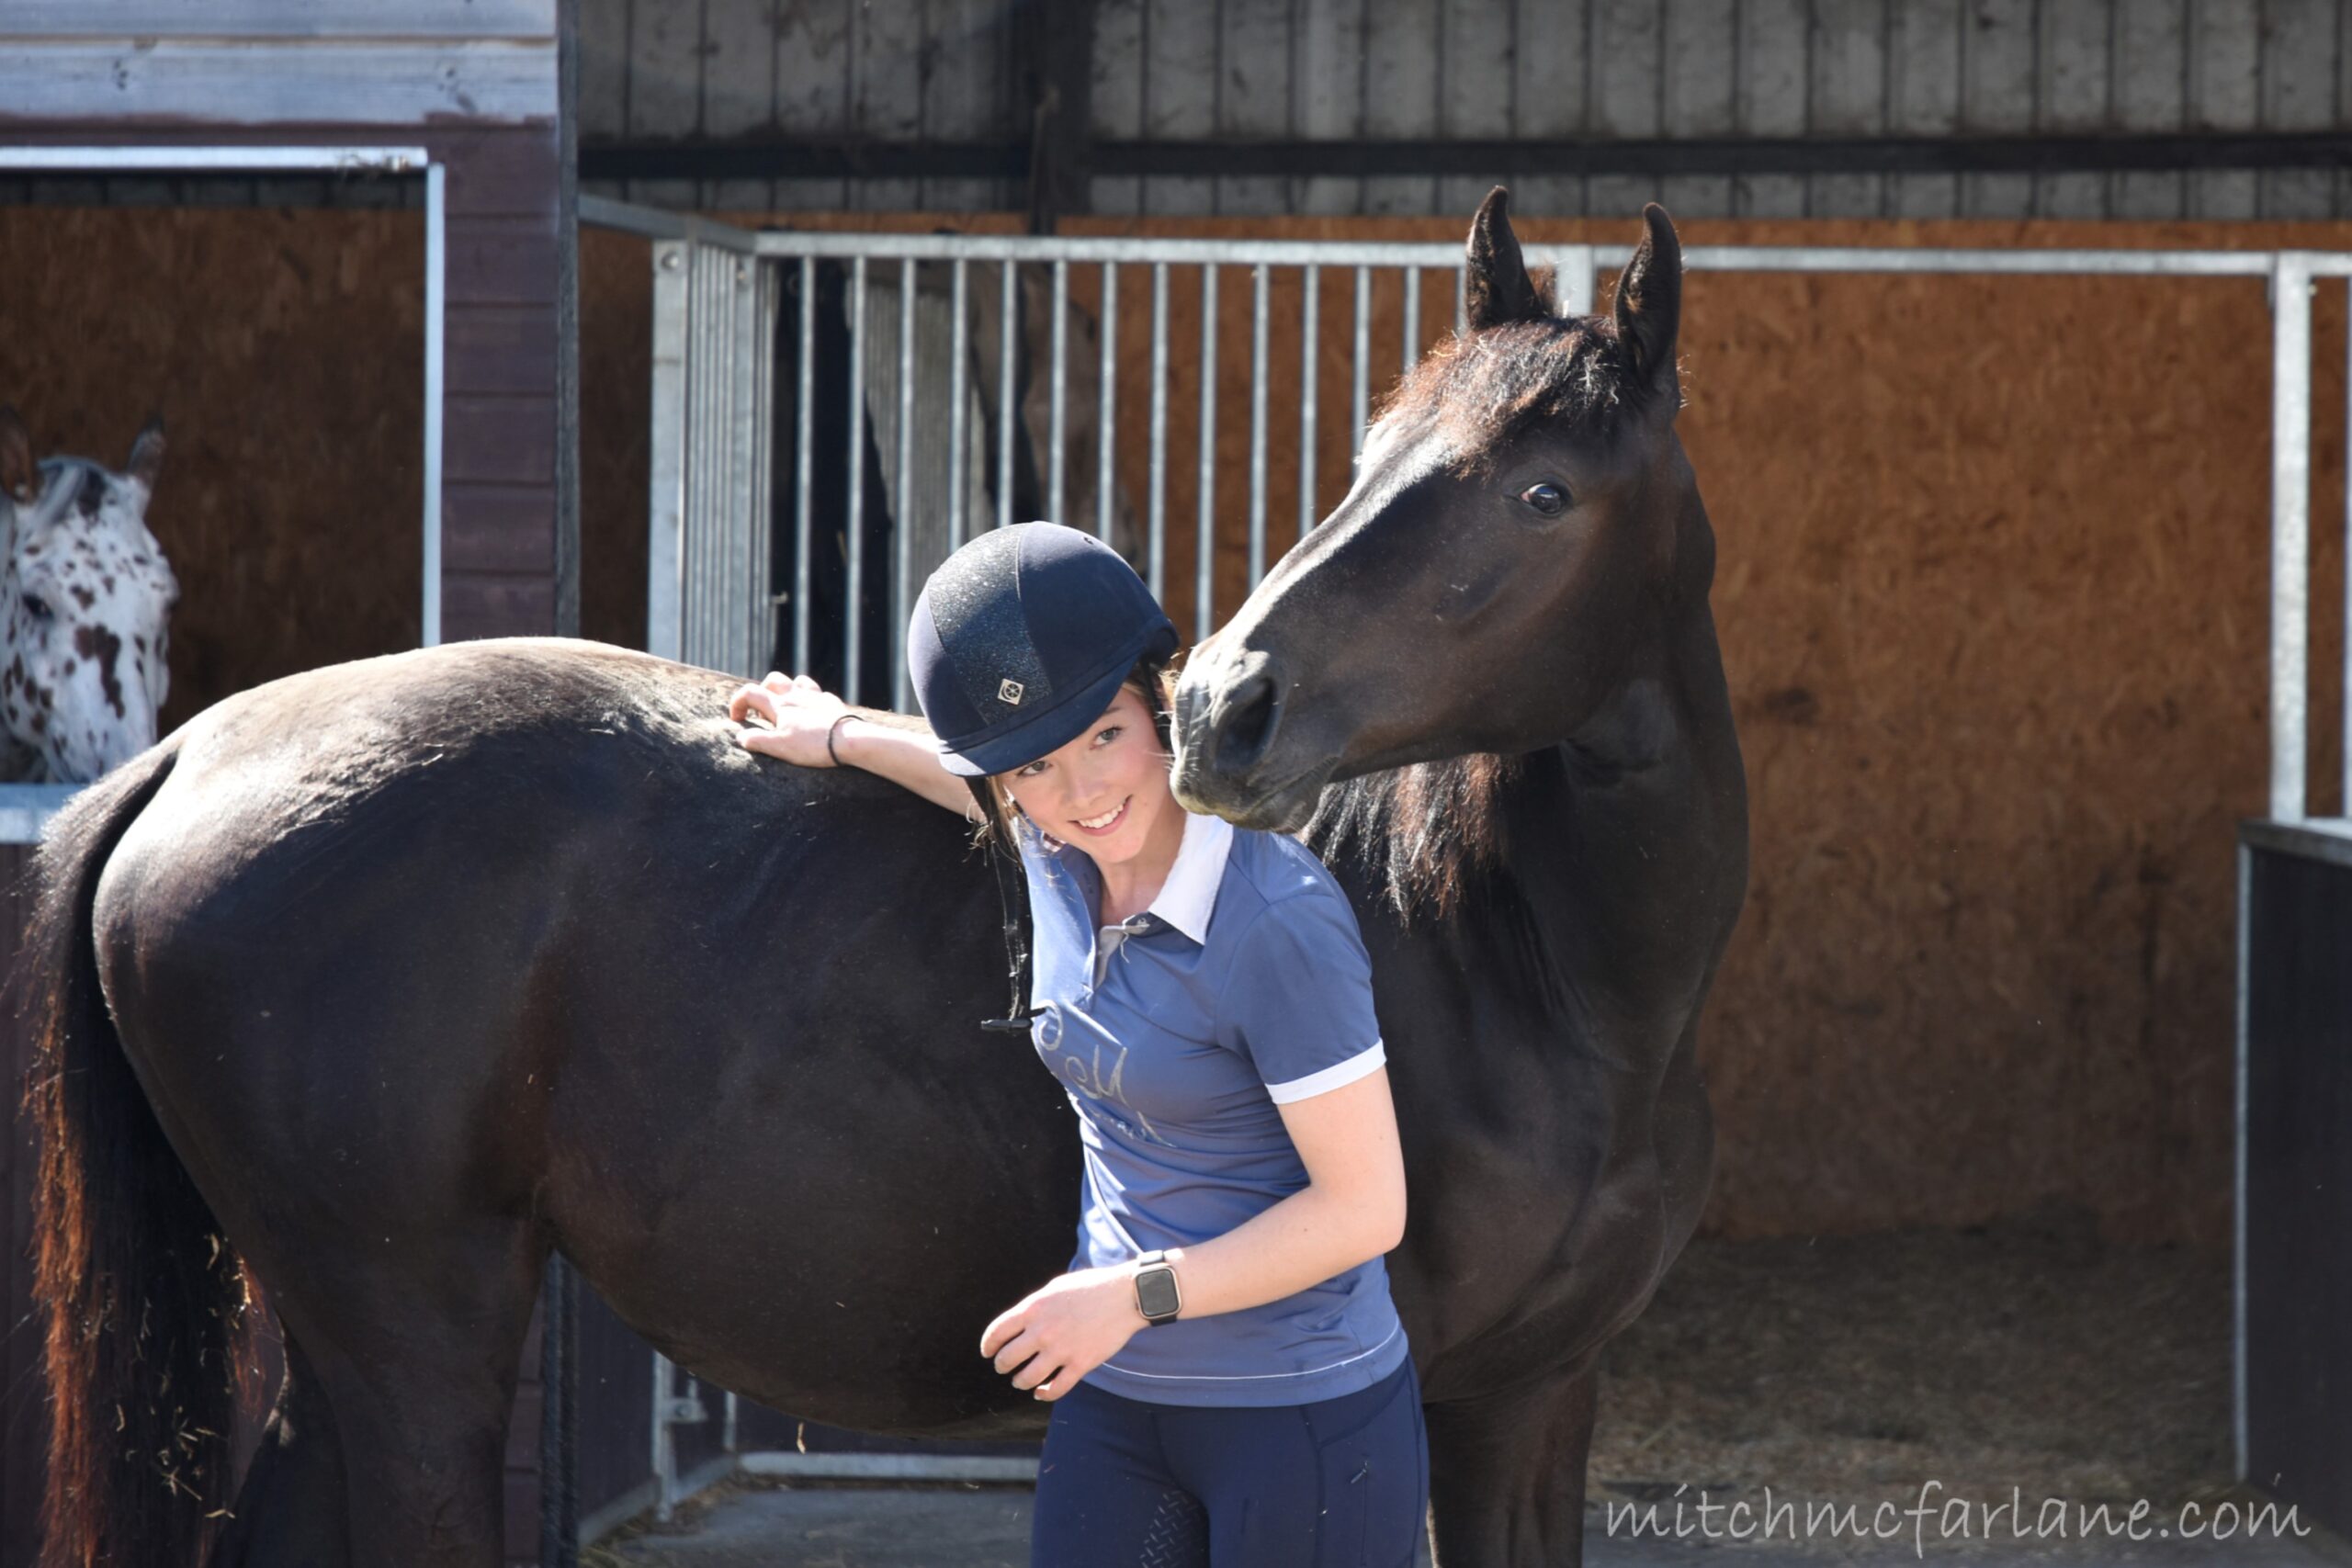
x: 1507, y: 1475
x: 290, y: 1510
x: 419, y: 1355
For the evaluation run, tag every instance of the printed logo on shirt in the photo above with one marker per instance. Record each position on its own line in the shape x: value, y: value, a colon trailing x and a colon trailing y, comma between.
x: 1095, y: 1066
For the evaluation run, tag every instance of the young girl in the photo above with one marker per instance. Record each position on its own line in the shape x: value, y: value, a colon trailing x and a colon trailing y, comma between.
x: 1231, y: 1385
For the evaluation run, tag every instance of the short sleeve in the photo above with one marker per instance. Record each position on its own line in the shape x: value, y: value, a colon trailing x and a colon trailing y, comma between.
x: 1298, y: 1005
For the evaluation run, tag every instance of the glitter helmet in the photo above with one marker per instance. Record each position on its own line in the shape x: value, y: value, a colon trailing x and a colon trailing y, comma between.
x: 1020, y: 639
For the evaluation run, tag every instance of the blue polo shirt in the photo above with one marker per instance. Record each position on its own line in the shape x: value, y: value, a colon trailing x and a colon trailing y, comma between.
x: 1244, y: 986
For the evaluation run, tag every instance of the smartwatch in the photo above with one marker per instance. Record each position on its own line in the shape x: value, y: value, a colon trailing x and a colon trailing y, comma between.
x: 1157, y: 1296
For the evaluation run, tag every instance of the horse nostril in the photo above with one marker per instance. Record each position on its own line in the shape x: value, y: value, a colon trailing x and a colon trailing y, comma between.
x: 1248, y: 725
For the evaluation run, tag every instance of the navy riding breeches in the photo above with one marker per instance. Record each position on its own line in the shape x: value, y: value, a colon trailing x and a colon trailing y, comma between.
x: 1340, y: 1483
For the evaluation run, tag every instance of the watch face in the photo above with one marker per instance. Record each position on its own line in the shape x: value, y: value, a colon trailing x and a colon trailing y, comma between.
x: 1156, y: 1292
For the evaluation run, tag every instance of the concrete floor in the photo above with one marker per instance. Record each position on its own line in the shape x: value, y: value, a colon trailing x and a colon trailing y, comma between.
x: 755, y: 1526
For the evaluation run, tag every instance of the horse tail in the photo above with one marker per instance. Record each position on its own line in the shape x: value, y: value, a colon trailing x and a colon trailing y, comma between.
x: 144, y: 1301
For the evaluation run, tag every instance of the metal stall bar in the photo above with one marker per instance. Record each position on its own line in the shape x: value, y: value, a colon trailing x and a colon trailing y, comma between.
x: 1157, y: 574
x: 855, y: 520
x: 2290, y: 481
x: 902, y: 563
x: 437, y: 312
x: 1411, y: 336
x: 768, y: 301
x: 1105, y: 480
x: 666, y: 454
x: 1257, y: 312
x: 1008, y: 413
x: 1361, y: 362
x: 1311, y: 281
x: 804, y: 432
x: 1057, y: 418
x: 959, y: 391
x: 1204, y: 544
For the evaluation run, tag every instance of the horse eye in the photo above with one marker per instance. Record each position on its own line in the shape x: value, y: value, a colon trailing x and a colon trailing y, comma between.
x: 37, y: 606
x: 1548, y: 498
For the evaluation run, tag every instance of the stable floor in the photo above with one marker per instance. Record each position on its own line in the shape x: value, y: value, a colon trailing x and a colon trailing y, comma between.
x: 2026, y: 1359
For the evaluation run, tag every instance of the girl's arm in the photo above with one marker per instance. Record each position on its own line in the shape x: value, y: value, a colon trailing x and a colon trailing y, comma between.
x: 898, y: 746
x: 1351, y: 1211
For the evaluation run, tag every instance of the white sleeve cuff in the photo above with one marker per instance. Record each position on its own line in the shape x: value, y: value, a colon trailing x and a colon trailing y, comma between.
x: 1339, y: 1074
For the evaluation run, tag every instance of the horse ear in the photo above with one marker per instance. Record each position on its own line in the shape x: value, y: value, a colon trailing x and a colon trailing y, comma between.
x: 15, y: 456
x: 147, y: 454
x: 1499, y: 289
x: 1649, y: 302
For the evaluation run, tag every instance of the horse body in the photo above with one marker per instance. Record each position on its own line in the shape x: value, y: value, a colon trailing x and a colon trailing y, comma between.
x: 423, y: 965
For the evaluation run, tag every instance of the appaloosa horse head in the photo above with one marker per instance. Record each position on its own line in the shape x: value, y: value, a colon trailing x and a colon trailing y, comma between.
x: 85, y: 601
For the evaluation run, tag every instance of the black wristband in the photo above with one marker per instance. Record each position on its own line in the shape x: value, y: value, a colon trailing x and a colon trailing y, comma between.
x: 833, y: 729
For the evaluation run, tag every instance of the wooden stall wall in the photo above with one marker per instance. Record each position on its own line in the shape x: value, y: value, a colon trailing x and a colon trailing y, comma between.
x: 1993, y: 595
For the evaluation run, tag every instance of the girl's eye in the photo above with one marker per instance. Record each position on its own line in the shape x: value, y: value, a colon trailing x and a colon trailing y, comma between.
x: 1108, y: 734
x: 1029, y: 771
x: 1548, y: 498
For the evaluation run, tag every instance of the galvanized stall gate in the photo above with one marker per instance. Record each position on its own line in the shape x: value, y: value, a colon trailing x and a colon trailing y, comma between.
x: 976, y: 381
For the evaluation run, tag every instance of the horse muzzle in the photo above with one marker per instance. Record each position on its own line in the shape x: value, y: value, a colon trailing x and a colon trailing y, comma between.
x: 1231, y: 719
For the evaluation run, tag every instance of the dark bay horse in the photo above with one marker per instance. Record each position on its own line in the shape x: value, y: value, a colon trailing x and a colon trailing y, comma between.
x: 374, y: 984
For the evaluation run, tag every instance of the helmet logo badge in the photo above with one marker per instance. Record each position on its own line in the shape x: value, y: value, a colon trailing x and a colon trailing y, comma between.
x: 1009, y: 691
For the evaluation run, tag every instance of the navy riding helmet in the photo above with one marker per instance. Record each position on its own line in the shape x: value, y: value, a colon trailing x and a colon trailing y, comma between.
x: 1020, y: 639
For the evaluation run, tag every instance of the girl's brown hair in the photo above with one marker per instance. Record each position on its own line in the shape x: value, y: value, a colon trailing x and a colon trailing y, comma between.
x: 1153, y: 679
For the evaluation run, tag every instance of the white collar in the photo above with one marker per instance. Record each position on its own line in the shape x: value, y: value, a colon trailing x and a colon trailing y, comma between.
x: 1185, y: 899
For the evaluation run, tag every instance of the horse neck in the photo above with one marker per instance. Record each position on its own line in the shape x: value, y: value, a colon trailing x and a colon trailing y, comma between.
x: 1629, y: 839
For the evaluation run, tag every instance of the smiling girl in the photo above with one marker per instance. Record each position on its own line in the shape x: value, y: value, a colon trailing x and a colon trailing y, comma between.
x: 1231, y: 1385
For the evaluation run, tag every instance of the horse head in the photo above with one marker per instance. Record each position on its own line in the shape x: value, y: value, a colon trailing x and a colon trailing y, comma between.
x: 1521, y: 513
x: 85, y: 599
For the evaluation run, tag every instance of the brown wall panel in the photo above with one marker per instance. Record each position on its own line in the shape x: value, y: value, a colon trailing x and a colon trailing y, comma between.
x: 1992, y: 586
x: 498, y: 440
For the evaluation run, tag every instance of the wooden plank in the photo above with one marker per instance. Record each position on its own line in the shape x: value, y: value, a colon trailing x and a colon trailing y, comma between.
x: 1476, y: 90
x: 501, y: 349
x: 1551, y: 71
x: 476, y: 603
x: 501, y: 261
x: 1330, y: 70
x: 500, y: 173
x: 666, y: 89
x: 1923, y: 98
x: 1701, y: 50
x: 500, y: 440
x: 1847, y: 97
x: 1770, y: 100
x: 2301, y: 42
x: 2223, y: 56
x: 286, y: 20
x: 497, y: 528
x: 603, y: 108
x: 1627, y: 42
x: 2151, y: 73
x: 1180, y: 93
x: 967, y: 95
x: 886, y: 93
x: 1996, y: 97
x: 814, y: 42
x: 329, y: 83
x: 1254, y: 95
x: 2073, y: 94
x: 738, y: 90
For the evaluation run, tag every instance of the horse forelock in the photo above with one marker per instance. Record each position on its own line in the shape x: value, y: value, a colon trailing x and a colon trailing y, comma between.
x: 1478, y: 391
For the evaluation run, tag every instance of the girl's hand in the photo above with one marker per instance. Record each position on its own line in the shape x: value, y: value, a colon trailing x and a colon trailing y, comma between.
x: 798, y: 712
x: 1064, y: 1329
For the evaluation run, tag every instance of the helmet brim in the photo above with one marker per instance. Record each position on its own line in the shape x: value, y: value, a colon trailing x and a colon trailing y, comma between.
x: 1051, y: 728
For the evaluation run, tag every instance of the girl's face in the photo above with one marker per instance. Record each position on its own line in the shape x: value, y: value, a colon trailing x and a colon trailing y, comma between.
x: 1103, y: 792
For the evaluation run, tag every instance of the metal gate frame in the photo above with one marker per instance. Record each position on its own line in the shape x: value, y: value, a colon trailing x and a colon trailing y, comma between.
x: 2289, y: 275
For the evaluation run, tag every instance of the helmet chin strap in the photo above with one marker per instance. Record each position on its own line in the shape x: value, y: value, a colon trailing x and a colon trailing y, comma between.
x: 1013, y: 903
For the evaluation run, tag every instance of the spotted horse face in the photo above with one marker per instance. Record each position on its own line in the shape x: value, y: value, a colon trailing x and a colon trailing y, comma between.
x: 85, y: 599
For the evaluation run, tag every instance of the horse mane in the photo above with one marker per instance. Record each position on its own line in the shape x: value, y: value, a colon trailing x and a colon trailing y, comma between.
x: 1481, y: 389
x: 1426, y: 832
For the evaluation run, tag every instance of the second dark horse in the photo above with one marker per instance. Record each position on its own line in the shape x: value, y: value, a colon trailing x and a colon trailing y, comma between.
x: 399, y: 973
